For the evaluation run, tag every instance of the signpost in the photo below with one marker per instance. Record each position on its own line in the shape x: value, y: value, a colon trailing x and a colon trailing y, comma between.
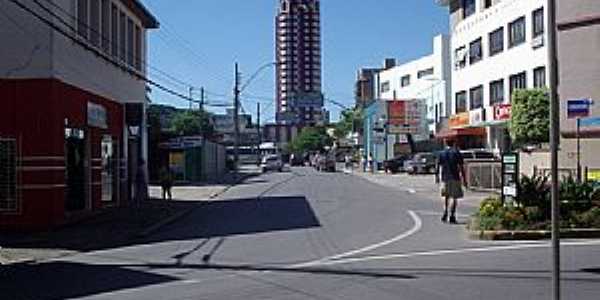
x: 510, y: 176
x: 577, y: 109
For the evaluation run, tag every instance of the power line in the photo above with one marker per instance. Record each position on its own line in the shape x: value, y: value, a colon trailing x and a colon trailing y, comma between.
x: 92, y: 49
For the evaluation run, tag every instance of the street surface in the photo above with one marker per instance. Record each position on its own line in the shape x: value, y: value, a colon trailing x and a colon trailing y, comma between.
x: 308, y: 235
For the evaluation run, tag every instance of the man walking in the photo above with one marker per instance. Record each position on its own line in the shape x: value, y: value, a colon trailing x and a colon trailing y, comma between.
x: 450, y: 163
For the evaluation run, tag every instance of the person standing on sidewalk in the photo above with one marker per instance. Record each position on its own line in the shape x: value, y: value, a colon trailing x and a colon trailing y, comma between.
x: 450, y: 163
x: 166, y: 183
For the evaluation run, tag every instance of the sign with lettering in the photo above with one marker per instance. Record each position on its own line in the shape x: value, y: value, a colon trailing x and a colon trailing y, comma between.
x: 96, y: 115
x: 578, y: 108
x: 502, y: 112
x: 406, y: 116
x: 476, y: 117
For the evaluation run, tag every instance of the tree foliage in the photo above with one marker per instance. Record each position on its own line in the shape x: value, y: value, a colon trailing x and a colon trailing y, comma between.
x: 351, y: 119
x: 530, y: 121
x: 311, y: 139
x: 192, y: 123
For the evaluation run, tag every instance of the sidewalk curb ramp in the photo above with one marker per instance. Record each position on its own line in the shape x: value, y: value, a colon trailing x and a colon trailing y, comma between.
x: 532, y: 235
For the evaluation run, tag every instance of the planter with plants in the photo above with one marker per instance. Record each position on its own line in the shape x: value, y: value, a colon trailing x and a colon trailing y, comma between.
x: 529, y: 216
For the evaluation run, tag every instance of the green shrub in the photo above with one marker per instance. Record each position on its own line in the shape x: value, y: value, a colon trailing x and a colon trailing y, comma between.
x: 576, y: 197
x: 588, y: 219
x: 535, y: 192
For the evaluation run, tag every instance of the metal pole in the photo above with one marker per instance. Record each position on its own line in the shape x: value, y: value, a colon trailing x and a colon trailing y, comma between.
x: 258, y: 135
x: 191, y: 91
x: 236, y: 109
x: 554, y: 145
x: 578, y: 150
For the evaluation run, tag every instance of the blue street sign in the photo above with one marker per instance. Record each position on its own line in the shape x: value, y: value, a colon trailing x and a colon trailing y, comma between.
x: 590, y: 122
x: 578, y: 108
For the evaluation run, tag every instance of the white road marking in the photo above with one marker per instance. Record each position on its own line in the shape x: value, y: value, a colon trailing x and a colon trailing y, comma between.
x: 456, y: 251
x: 418, y: 224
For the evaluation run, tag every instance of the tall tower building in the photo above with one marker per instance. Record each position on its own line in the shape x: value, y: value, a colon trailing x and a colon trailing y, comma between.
x: 298, y: 54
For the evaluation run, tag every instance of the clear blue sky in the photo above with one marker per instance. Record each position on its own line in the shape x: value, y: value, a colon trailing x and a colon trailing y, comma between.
x: 199, y: 41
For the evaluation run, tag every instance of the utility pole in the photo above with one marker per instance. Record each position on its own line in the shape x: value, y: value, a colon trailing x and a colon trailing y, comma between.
x: 554, y: 145
x: 202, y: 99
x: 236, y: 109
x: 258, y: 135
x: 191, y: 90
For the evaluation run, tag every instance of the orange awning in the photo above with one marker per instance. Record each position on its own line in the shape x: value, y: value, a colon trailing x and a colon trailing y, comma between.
x: 457, y: 132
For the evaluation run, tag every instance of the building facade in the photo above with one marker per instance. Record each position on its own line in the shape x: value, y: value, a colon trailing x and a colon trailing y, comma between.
x: 298, y: 56
x: 427, y: 78
x: 364, y: 90
x: 578, y: 24
x: 497, y: 47
x: 72, y: 123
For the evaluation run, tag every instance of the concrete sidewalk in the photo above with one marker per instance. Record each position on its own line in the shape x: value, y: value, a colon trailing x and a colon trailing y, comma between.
x: 117, y: 227
x: 423, y: 185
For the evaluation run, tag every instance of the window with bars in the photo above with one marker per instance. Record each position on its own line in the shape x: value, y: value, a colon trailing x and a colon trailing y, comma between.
x: 475, y: 51
x: 538, y: 22
x: 8, y: 175
x: 539, y: 77
x: 517, y: 32
x: 518, y: 82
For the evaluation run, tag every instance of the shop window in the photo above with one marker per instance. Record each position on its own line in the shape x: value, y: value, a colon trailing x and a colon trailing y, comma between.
x: 8, y: 175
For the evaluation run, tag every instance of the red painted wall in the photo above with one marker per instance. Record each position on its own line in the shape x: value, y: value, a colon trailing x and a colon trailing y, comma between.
x: 34, y: 112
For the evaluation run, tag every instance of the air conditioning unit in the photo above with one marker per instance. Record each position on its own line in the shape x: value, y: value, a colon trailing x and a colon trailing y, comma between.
x: 537, y: 42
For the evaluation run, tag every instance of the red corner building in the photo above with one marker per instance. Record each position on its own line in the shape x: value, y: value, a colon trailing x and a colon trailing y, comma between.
x: 73, y: 99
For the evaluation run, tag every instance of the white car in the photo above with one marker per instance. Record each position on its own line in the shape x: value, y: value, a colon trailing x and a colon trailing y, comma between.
x: 271, y: 163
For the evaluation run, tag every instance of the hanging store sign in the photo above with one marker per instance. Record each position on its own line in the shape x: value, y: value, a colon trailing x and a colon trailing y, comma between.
x: 578, y: 108
x: 96, y: 115
x: 406, y: 117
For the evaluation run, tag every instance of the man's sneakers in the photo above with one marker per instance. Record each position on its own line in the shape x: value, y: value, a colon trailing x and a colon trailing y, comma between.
x: 452, y: 219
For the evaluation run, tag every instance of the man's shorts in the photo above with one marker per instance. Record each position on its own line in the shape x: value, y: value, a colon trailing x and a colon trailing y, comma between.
x: 452, y: 189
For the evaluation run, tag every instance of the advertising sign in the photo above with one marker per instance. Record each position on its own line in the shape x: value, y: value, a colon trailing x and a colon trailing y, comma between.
x: 459, y: 120
x: 96, y: 115
x: 578, y: 108
x: 313, y: 100
x: 502, y: 112
x: 593, y: 175
x: 406, y: 116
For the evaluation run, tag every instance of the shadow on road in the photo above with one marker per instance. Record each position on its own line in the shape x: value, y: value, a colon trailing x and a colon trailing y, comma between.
x: 66, y: 280
x: 241, y: 217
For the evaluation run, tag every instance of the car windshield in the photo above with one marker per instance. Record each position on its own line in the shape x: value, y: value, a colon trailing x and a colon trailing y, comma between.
x: 299, y: 149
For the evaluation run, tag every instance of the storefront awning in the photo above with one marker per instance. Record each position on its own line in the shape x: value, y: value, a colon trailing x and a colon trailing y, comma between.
x: 457, y: 132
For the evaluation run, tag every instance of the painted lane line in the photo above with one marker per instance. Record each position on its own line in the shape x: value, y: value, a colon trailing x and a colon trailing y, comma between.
x: 418, y: 224
x: 455, y: 251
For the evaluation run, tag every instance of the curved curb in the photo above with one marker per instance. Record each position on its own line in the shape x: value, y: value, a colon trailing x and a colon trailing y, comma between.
x: 531, y: 235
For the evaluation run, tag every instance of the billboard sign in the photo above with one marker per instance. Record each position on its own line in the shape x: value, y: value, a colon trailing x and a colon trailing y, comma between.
x: 459, y: 120
x: 406, y: 117
x: 502, y: 112
x: 312, y: 100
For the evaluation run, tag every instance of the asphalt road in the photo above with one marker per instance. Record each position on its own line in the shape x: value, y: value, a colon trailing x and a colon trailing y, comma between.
x: 308, y: 235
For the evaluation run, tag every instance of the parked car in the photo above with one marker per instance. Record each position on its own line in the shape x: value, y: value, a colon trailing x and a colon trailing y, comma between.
x: 422, y: 163
x: 476, y: 154
x: 296, y: 160
x: 271, y: 163
x: 396, y: 164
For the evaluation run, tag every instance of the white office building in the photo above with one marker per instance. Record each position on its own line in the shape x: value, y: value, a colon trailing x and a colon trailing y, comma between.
x: 427, y: 78
x: 497, y: 47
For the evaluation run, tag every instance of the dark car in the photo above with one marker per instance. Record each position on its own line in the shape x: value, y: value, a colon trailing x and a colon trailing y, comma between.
x: 396, y: 164
x: 326, y: 163
x: 422, y: 163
